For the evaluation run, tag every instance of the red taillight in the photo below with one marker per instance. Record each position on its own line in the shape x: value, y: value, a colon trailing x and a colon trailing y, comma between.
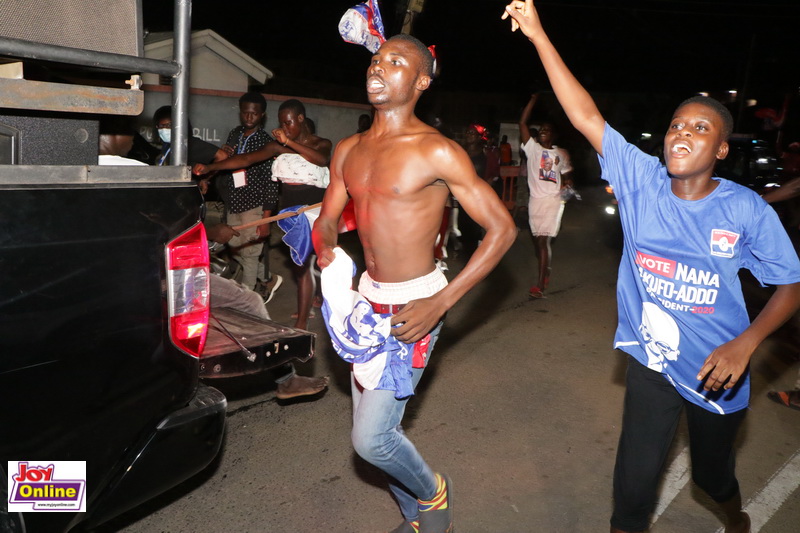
x: 188, y: 290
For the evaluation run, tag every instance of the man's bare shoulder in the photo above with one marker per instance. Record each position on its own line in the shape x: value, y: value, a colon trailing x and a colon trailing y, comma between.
x: 348, y: 142
x: 344, y: 146
x: 434, y: 141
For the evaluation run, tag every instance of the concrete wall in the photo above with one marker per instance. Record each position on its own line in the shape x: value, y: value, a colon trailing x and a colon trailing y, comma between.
x: 214, y: 113
x: 209, y: 72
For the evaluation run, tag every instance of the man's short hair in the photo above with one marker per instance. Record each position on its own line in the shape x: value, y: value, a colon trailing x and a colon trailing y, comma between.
x: 295, y: 105
x: 716, y: 106
x: 254, y: 97
x: 424, y: 53
x: 165, y: 111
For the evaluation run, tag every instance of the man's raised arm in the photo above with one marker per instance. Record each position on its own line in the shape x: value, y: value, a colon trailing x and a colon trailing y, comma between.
x: 576, y: 101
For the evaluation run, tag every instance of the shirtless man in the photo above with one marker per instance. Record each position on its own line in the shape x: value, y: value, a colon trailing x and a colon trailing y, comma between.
x: 399, y: 174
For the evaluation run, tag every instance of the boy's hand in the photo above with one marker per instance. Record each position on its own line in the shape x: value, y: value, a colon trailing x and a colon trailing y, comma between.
x: 523, y: 16
x: 199, y: 169
x: 221, y: 233
x: 280, y: 136
x: 726, y: 361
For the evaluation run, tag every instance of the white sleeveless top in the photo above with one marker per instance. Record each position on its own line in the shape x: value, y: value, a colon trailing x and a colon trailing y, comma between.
x: 294, y: 169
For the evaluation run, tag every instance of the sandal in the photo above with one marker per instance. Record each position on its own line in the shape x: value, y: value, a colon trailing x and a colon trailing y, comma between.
x: 790, y: 399
x: 536, y: 292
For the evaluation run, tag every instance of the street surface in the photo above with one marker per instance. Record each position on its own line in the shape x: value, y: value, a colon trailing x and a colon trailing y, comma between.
x: 520, y: 405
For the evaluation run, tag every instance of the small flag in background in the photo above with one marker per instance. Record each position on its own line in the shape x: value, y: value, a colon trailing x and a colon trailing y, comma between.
x: 362, y: 24
x: 297, y: 229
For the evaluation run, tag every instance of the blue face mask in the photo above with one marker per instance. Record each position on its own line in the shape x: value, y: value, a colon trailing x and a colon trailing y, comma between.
x: 165, y: 134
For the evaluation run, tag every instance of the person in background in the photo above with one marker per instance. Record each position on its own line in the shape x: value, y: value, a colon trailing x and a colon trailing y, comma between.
x: 548, y: 172
x: 229, y: 293
x: 492, y: 172
x: 364, y: 122
x: 304, y: 175
x: 788, y: 191
x: 685, y: 231
x: 115, y: 141
x: 505, y: 151
x: 251, y: 194
x: 474, y: 144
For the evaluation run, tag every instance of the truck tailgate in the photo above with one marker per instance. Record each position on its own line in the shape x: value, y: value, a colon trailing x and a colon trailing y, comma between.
x: 269, y: 344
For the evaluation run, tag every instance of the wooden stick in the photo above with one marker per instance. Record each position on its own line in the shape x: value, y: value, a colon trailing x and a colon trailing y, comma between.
x: 276, y: 217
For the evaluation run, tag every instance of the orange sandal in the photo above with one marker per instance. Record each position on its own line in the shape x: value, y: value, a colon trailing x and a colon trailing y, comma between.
x: 790, y: 399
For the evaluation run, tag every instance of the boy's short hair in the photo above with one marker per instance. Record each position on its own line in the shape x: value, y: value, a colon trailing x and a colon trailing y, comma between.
x: 254, y: 97
x: 425, y: 54
x: 716, y: 106
x: 295, y: 105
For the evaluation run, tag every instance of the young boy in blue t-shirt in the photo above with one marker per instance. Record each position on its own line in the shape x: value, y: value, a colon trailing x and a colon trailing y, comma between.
x: 682, y: 318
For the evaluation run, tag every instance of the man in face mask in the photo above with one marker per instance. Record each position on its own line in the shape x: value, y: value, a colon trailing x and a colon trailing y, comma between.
x: 199, y: 150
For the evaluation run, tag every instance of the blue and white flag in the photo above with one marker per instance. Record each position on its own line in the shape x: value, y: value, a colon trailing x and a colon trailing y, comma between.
x: 297, y: 232
x: 297, y: 229
x: 362, y: 24
x: 360, y: 335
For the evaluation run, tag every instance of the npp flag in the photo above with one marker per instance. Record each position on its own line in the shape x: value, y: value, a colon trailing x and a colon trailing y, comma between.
x: 362, y: 24
x: 363, y: 337
x: 297, y: 229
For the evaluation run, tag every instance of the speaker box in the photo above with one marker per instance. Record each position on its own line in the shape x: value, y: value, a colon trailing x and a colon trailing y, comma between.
x: 100, y: 25
x: 52, y: 140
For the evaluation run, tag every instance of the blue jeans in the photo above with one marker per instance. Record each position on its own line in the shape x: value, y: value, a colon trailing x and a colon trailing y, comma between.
x: 379, y: 439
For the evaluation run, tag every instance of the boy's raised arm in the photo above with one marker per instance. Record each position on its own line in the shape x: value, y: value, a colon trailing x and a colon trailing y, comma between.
x: 576, y: 101
x: 524, y: 131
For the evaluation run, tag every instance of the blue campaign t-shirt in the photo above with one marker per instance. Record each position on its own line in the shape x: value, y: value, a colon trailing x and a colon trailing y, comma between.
x: 678, y: 293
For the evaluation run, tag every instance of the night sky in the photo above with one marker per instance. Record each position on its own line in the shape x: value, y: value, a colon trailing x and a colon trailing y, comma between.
x: 615, y: 45
x: 678, y: 47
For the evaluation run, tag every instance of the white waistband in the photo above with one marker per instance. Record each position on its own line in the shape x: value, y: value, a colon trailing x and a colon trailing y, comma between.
x: 403, y: 291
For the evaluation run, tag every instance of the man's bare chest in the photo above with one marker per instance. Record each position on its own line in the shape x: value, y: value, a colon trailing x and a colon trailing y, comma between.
x: 386, y: 172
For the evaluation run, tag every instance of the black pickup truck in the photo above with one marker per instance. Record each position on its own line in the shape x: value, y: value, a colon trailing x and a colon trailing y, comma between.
x: 104, y: 294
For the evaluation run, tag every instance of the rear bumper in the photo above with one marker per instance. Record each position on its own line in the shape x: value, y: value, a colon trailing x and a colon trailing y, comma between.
x: 183, y: 444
